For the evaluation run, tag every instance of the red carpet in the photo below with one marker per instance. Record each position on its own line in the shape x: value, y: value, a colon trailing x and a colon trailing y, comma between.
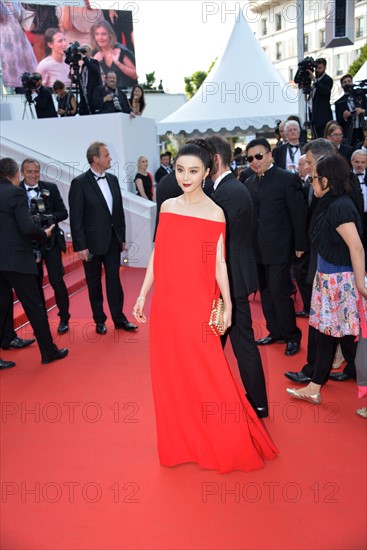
x: 80, y: 469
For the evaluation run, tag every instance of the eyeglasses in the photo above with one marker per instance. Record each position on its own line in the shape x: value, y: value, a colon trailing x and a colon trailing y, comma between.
x: 336, y: 135
x: 258, y: 156
x: 311, y: 178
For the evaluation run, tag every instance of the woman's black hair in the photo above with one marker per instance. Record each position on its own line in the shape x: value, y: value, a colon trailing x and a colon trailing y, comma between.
x: 197, y: 148
x: 337, y: 171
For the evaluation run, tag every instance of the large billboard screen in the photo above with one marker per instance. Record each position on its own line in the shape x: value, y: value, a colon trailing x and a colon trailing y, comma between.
x: 34, y: 37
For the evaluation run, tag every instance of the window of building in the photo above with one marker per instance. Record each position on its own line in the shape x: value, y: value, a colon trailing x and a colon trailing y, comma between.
x: 264, y: 27
x: 339, y: 64
x: 278, y: 22
x: 359, y: 27
x: 291, y: 73
x: 306, y: 42
x: 322, y: 38
x: 278, y: 50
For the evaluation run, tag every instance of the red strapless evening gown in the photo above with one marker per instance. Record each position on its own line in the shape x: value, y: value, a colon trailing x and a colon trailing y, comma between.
x: 202, y: 413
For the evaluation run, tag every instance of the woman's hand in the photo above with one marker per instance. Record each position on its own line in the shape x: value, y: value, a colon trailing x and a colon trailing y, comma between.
x: 363, y: 291
x: 138, y: 310
x: 99, y: 56
x: 227, y: 317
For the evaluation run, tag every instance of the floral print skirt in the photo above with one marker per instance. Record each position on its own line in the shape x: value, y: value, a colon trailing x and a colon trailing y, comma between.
x: 334, y: 300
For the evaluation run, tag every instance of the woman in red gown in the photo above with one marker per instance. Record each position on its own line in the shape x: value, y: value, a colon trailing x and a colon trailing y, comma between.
x: 202, y: 413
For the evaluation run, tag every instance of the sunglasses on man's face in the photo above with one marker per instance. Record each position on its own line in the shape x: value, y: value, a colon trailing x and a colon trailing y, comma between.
x: 258, y: 156
x: 312, y: 178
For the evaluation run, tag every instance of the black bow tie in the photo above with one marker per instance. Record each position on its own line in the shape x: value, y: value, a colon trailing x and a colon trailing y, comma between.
x: 100, y: 178
x: 294, y: 147
x: 33, y: 189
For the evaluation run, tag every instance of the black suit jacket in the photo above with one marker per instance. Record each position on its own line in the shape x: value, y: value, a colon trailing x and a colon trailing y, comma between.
x: 160, y: 173
x: 280, y: 212
x: 17, y: 230
x: 235, y: 200
x: 321, y: 110
x: 280, y: 154
x: 92, y: 225
x: 55, y: 206
x: 341, y: 105
x: 346, y: 151
x: 94, y: 79
x: 45, y: 107
x: 103, y: 107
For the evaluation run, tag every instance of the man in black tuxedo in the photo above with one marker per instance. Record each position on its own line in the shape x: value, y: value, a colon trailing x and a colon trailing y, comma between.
x: 51, y: 253
x: 42, y: 97
x: 233, y: 197
x: 280, y: 211
x: 91, y: 78
x: 110, y: 99
x: 287, y: 156
x: 97, y: 225
x: 164, y: 168
x: 350, y: 110
x: 319, y: 101
x: 18, y: 269
x: 359, y: 163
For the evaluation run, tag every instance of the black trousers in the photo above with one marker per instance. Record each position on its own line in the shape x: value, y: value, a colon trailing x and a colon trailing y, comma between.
x: 347, y: 346
x: 115, y: 295
x: 8, y: 332
x: 277, y: 305
x: 300, y: 269
x: 55, y: 269
x: 27, y: 290
x: 325, y: 352
x: 246, y: 351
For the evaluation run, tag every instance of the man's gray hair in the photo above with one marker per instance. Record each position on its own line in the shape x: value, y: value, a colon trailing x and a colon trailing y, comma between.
x: 319, y: 148
x: 291, y: 123
x: 358, y: 152
x: 93, y: 150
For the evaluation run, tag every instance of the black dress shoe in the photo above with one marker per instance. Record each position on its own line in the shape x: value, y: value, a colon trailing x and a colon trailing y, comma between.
x: 18, y: 343
x: 298, y: 377
x: 262, y: 412
x: 6, y: 364
x: 125, y: 325
x: 60, y: 354
x: 63, y: 327
x: 269, y: 339
x: 339, y: 376
x: 303, y: 313
x: 292, y: 348
x: 101, y: 328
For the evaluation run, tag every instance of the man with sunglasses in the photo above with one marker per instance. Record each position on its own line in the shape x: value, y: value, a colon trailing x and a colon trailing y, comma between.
x: 280, y: 234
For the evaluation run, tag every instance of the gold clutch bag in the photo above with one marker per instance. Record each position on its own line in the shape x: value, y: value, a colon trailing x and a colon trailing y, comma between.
x: 216, y: 321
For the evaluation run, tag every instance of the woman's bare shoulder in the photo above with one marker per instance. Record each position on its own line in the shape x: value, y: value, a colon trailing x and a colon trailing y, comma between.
x: 168, y: 205
x: 215, y: 211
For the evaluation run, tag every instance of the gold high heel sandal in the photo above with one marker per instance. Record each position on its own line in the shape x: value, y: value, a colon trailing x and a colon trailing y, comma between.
x: 314, y: 399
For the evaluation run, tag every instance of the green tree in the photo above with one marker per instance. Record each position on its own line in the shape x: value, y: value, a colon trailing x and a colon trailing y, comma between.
x: 193, y: 82
x: 149, y: 81
x: 357, y: 64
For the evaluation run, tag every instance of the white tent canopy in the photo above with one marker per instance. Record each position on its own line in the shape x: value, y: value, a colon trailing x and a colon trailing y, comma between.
x: 243, y: 90
x: 362, y: 73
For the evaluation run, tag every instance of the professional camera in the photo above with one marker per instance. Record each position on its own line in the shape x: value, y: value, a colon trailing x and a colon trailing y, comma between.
x: 302, y: 77
x: 38, y: 210
x: 29, y: 83
x: 74, y: 53
x: 358, y: 93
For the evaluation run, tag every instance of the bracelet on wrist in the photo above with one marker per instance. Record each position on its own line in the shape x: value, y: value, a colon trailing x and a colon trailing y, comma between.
x: 141, y: 298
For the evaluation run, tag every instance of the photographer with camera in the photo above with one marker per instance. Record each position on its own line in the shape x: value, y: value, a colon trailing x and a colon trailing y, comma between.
x: 319, y: 101
x: 17, y: 266
x: 110, y: 99
x: 39, y: 95
x: 46, y: 208
x: 91, y: 78
x: 350, y: 110
x: 312, y: 79
x: 66, y: 102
